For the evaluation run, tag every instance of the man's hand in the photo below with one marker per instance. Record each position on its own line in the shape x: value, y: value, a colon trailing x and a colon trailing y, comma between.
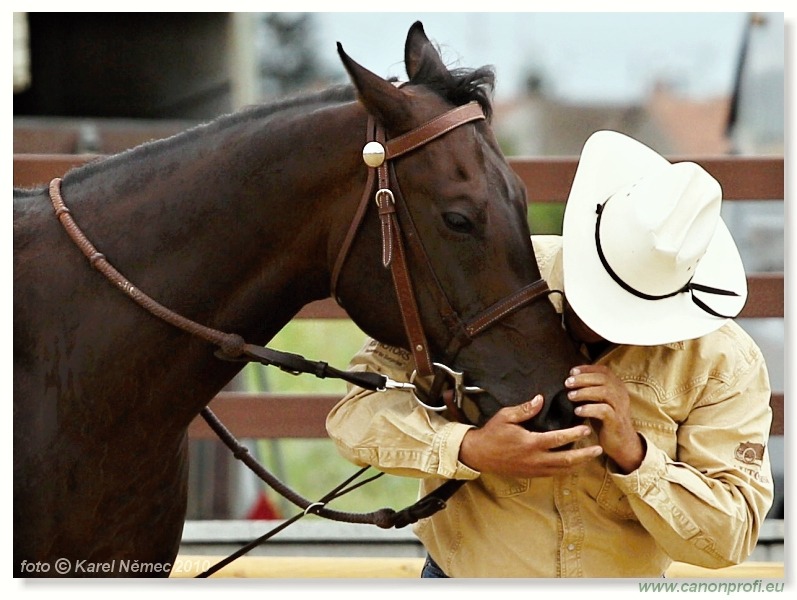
x: 606, y: 400
x: 504, y: 447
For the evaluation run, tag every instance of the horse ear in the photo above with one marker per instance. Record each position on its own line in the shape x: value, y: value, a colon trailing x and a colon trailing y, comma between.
x: 421, y: 57
x: 381, y: 98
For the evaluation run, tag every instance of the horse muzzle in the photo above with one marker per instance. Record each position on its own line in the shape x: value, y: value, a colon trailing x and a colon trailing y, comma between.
x: 557, y: 412
x: 466, y: 403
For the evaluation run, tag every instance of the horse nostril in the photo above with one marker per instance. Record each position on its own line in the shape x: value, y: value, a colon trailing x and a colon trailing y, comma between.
x: 562, y: 413
x: 556, y: 413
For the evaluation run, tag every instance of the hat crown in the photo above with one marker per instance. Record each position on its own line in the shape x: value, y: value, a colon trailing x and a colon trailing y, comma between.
x: 654, y: 232
x: 655, y: 263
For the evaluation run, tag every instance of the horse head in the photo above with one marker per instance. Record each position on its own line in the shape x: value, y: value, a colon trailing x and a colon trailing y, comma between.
x: 461, y: 211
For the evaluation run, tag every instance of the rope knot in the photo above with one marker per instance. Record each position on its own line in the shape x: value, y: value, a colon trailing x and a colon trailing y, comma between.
x: 232, y: 345
x: 321, y: 369
x: 384, y: 518
x: 96, y: 257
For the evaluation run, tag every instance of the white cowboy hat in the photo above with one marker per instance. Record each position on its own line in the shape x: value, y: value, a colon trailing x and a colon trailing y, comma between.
x: 647, y: 259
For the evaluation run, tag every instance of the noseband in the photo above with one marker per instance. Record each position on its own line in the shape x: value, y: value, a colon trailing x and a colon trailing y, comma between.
x: 377, y: 154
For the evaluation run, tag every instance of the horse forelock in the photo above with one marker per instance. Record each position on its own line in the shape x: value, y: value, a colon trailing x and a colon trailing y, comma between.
x: 461, y: 85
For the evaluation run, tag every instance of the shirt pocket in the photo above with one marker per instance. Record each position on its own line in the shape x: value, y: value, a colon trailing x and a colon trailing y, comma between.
x: 613, y: 500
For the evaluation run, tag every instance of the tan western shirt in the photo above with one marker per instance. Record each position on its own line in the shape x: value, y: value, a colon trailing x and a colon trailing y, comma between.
x: 699, y: 496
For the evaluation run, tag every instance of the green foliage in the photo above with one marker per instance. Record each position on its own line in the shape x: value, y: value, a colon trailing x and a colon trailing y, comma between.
x: 545, y: 218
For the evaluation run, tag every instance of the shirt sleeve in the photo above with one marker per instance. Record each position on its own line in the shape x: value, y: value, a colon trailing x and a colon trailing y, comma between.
x: 389, y: 430
x: 706, y: 507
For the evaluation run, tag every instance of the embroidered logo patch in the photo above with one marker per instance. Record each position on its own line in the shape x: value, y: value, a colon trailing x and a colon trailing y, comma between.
x: 750, y: 453
x: 397, y: 357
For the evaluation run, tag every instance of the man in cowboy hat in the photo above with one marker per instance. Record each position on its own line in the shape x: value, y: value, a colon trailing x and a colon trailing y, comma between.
x: 673, y: 389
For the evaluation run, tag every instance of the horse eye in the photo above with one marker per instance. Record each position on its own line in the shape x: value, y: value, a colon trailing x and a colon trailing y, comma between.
x: 457, y: 222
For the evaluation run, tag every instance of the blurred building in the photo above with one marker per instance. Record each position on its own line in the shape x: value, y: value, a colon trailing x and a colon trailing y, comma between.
x: 540, y: 125
x: 136, y: 65
x: 748, y: 118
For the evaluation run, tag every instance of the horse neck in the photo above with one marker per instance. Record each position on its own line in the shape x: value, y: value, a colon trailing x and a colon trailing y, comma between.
x: 232, y: 225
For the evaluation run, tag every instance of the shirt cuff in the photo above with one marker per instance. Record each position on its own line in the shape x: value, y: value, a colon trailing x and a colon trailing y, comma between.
x: 645, y: 477
x: 446, y: 446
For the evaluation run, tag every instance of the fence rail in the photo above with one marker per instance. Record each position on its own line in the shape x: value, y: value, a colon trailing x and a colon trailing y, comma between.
x: 266, y: 415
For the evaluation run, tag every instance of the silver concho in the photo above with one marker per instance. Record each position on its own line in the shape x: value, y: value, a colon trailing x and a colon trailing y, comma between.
x: 373, y: 154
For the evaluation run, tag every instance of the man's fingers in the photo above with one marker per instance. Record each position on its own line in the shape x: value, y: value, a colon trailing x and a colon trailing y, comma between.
x: 581, y: 380
x: 565, y: 459
x: 521, y: 412
x: 582, y: 369
x: 562, y: 437
x: 600, y: 411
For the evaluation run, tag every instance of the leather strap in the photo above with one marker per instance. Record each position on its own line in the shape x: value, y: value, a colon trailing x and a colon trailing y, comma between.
x: 393, y: 256
x: 392, y: 246
x: 433, y: 129
x: 359, y: 215
x: 508, y: 305
x: 230, y: 343
x: 393, y: 253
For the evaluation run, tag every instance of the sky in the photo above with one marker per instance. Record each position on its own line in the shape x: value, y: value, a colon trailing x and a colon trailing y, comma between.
x: 611, y: 57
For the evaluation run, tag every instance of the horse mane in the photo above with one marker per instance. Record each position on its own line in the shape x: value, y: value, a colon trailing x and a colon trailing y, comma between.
x: 332, y: 95
x: 459, y: 86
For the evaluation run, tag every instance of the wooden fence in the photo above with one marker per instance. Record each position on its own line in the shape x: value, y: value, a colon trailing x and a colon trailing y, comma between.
x: 266, y: 415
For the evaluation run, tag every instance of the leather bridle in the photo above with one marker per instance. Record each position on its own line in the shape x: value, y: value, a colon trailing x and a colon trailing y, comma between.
x: 395, y: 218
x: 396, y: 226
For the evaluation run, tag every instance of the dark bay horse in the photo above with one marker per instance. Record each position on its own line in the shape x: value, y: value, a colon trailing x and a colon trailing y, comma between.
x: 237, y: 224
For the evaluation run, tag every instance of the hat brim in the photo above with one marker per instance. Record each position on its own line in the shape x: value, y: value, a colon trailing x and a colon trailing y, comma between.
x: 609, y: 162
